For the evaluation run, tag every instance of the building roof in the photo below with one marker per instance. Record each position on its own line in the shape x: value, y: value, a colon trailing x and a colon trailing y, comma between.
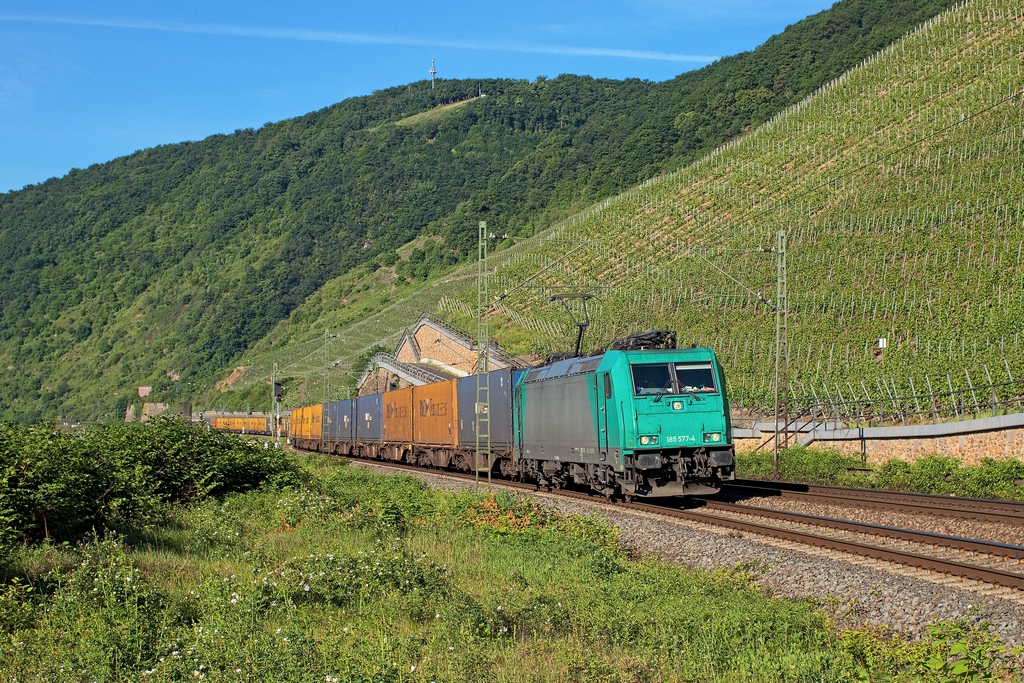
x: 419, y: 373
x: 416, y: 374
x: 458, y: 336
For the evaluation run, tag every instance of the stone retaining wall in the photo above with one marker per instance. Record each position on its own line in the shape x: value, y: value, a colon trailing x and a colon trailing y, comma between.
x: 969, y: 440
x: 969, y: 448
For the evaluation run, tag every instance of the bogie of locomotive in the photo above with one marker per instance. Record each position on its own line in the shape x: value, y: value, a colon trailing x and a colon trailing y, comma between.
x: 637, y: 423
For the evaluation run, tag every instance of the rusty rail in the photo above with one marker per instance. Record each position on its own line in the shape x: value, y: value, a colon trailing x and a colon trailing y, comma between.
x: 922, y: 503
x: 923, y: 537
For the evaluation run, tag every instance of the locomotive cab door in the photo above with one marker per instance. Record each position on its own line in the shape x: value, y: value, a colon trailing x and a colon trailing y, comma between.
x: 604, y: 397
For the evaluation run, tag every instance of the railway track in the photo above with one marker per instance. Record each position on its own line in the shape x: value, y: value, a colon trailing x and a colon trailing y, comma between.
x: 988, y: 572
x: 998, y: 567
x: 946, y: 506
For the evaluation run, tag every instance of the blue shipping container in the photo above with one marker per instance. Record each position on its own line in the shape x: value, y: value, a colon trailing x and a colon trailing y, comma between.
x: 501, y: 383
x: 338, y: 421
x: 368, y: 419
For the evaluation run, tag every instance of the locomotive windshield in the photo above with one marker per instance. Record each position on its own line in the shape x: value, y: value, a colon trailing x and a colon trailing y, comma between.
x: 650, y: 379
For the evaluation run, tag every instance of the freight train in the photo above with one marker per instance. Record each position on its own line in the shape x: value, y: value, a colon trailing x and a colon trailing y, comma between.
x: 245, y: 424
x: 636, y: 423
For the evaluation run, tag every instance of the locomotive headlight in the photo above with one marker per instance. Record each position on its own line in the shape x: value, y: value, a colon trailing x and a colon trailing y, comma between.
x: 713, y: 437
x: 677, y: 405
x: 648, y: 440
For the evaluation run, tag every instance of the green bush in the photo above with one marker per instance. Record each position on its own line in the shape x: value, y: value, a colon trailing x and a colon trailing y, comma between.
x: 341, y: 581
x: 57, y: 485
x: 1002, y: 479
x: 798, y: 464
x: 946, y: 476
x: 954, y: 651
x: 109, y: 609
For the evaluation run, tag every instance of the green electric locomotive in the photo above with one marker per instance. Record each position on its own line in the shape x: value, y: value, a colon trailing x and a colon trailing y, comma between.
x: 645, y: 423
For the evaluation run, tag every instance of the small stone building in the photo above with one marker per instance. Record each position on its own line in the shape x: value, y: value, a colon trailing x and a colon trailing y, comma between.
x: 429, y: 351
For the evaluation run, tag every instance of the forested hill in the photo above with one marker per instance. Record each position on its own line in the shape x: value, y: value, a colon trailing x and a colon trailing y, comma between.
x: 163, y: 266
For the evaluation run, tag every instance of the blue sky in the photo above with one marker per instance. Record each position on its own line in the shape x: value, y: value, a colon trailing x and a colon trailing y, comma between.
x: 84, y: 82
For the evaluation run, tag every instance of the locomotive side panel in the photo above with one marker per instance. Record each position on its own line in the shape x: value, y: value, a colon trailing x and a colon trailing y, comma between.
x: 558, y: 420
x: 435, y: 411
x: 398, y: 416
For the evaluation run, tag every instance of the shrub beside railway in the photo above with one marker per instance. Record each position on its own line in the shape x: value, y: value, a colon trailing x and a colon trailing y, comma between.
x: 56, y: 485
x: 1002, y: 479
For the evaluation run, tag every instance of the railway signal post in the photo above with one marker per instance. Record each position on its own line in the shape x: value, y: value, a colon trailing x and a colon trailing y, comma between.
x: 781, y: 350
x: 483, y: 341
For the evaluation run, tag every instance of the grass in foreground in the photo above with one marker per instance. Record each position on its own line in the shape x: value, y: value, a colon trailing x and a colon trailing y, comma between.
x: 356, y: 576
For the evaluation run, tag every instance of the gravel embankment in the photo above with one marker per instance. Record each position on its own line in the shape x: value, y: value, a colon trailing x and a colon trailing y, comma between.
x: 951, y: 526
x: 854, y: 591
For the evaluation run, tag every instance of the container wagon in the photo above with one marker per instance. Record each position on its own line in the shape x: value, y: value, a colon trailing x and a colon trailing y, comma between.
x: 645, y: 423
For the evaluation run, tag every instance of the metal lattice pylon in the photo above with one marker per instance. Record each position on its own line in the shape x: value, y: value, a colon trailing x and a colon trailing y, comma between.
x: 781, y: 351
x: 483, y: 342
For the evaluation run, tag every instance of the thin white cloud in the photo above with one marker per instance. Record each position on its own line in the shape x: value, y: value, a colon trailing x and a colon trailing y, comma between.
x: 356, y: 38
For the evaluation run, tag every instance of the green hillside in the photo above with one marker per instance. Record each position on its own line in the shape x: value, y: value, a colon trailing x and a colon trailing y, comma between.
x: 166, y: 266
x: 900, y: 188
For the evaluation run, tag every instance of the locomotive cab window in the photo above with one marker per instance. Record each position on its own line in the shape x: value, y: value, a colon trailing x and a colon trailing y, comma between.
x: 695, y: 377
x: 650, y: 379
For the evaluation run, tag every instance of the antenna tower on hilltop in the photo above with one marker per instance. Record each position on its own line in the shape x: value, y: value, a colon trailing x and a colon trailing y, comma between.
x: 433, y: 72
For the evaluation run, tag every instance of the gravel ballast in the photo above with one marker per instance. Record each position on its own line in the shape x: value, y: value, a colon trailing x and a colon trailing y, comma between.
x: 854, y: 591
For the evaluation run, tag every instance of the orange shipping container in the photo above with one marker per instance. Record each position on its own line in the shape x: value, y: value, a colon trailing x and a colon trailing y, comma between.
x: 302, y: 428
x: 398, y: 416
x: 250, y: 425
x: 295, y: 425
x: 436, y: 414
x: 316, y: 423
x: 306, y: 423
